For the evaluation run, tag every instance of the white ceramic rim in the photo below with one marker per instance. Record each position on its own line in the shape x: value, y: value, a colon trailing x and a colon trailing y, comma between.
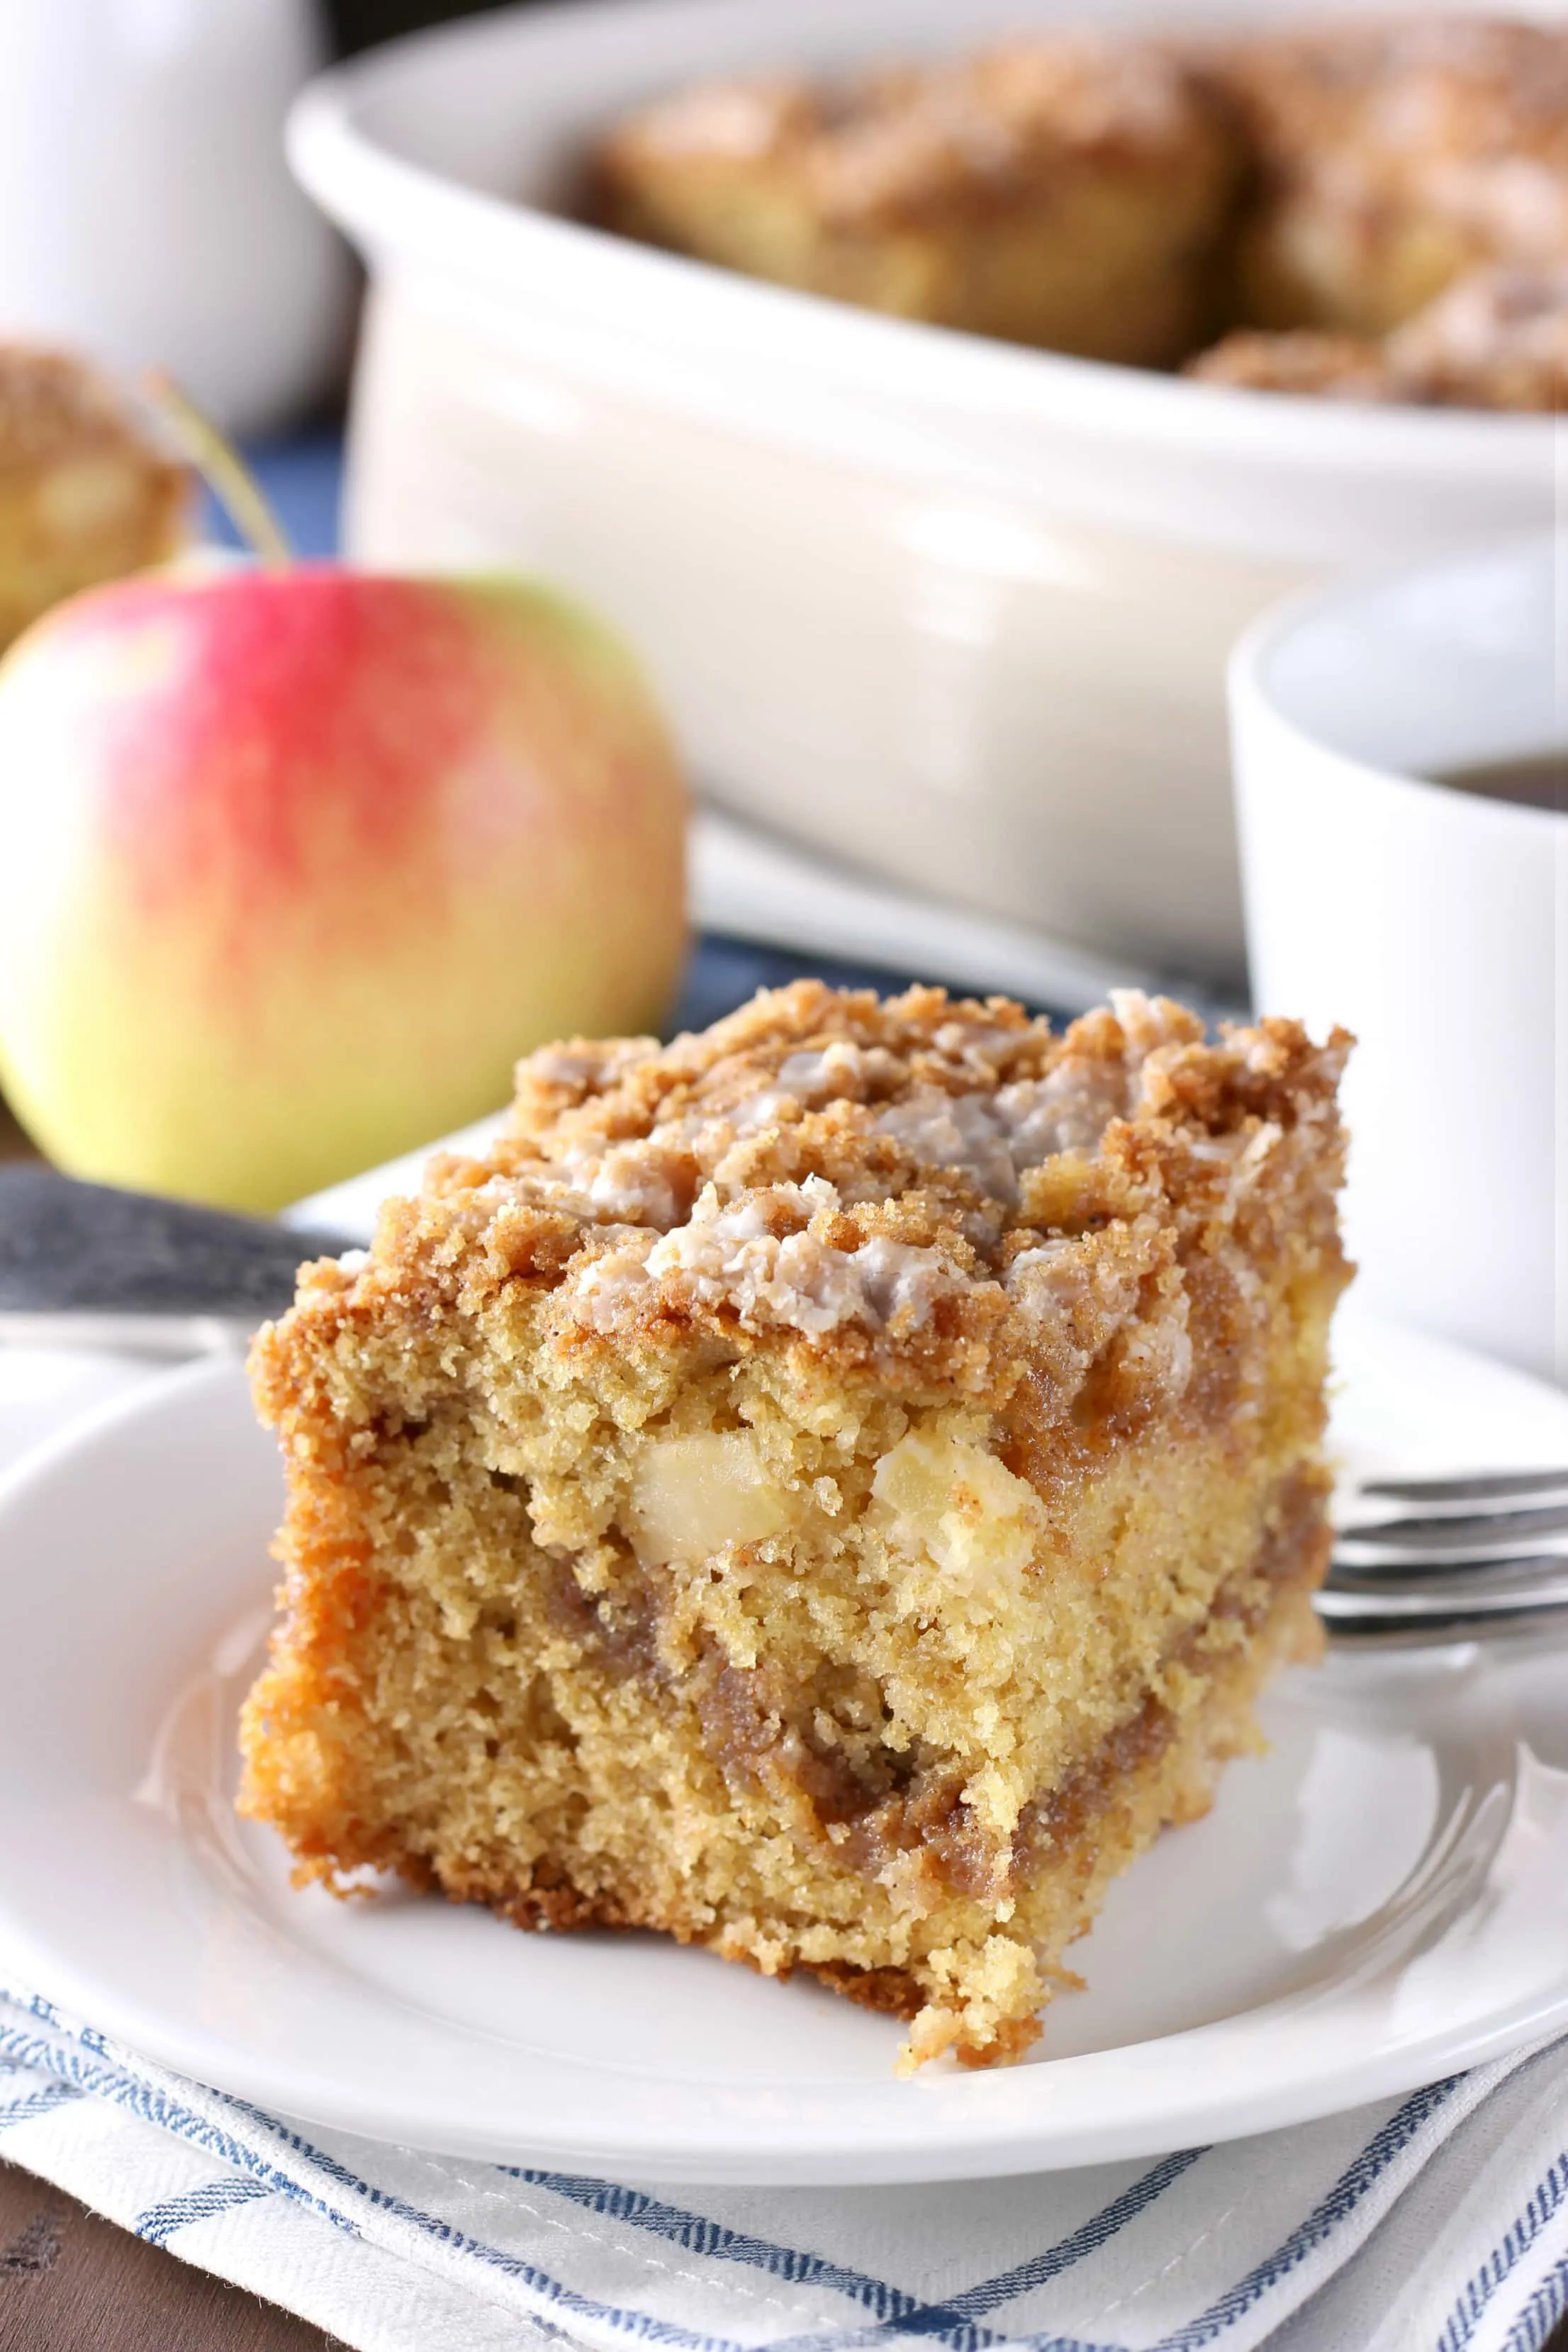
x: 393, y: 207
x: 1248, y: 691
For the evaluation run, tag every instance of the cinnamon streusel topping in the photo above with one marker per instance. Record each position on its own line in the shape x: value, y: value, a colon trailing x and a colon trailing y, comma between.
x: 915, y: 1180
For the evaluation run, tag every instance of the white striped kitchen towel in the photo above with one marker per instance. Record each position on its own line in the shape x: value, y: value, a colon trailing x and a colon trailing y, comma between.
x: 1436, y: 2222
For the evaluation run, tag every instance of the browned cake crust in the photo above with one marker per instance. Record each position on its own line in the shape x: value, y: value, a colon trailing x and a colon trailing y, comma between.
x: 829, y: 1490
x: 84, y: 496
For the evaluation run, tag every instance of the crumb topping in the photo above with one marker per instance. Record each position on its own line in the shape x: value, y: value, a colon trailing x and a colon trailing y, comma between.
x: 945, y: 1182
x: 915, y: 141
x: 770, y: 1256
x: 1474, y: 110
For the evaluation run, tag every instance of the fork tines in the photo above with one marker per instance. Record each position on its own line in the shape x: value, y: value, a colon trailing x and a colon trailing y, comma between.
x: 1455, y: 1570
x: 1486, y: 1487
x: 1474, y: 1535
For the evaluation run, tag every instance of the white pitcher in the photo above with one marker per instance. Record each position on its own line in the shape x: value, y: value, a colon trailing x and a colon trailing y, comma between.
x: 146, y: 214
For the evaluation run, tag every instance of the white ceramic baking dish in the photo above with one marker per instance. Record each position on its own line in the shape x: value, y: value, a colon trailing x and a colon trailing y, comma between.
x: 956, y: 610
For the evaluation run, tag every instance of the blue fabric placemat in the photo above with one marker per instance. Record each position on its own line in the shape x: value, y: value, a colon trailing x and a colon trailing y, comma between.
x: 302, y: 476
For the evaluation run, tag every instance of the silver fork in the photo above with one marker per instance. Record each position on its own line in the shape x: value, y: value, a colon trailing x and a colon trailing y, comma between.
x: 1451, y: 1559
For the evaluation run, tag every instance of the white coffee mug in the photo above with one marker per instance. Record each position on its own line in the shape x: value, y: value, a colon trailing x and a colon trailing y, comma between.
x: 1430, y: 920
x: 146, y: 213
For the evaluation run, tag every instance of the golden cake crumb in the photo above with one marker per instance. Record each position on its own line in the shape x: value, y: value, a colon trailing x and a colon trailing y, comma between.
x: 828, y: 1490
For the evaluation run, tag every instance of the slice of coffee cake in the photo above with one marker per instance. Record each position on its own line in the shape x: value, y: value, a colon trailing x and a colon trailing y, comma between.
x: 830, y: 1489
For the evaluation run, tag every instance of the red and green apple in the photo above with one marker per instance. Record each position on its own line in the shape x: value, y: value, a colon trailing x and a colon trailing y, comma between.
x: 295, y: 862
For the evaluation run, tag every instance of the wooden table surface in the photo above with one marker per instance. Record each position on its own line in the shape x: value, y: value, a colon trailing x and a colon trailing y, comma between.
x: 72, y: 2283
x: 13, y: 1144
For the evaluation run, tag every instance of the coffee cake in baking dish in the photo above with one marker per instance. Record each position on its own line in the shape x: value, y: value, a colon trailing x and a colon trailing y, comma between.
x: 1311, y: 194
x: 1063, y: 190
x: 829, y: 1490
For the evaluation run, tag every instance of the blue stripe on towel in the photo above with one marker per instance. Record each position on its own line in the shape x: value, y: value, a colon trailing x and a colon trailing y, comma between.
x: 953, y: 2321
x: 608, y: 2197
x: 37, y: 2103
x: 106, y: 2081
x: 1088, y: 2238
x: 1385, y: 2144
x: 1542, y: 2313
x: 159, y: 2222
x: 899, y: 2313
x: 639, y: 2324
x: 697, y: 2233
x: 1466, y: 2314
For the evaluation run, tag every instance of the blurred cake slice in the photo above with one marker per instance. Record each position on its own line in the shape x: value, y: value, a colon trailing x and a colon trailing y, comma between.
x: 1394, y: 158
x: 1064, y: 191
x: 84, y: 496
x: 830, y: 1489
x: 1496, y: 339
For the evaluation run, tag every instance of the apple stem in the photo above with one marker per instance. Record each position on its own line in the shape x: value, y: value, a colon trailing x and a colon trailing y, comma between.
x: 225, y: 471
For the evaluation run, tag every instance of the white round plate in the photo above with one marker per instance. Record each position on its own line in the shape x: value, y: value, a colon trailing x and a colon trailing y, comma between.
x: 1380, y: 1899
